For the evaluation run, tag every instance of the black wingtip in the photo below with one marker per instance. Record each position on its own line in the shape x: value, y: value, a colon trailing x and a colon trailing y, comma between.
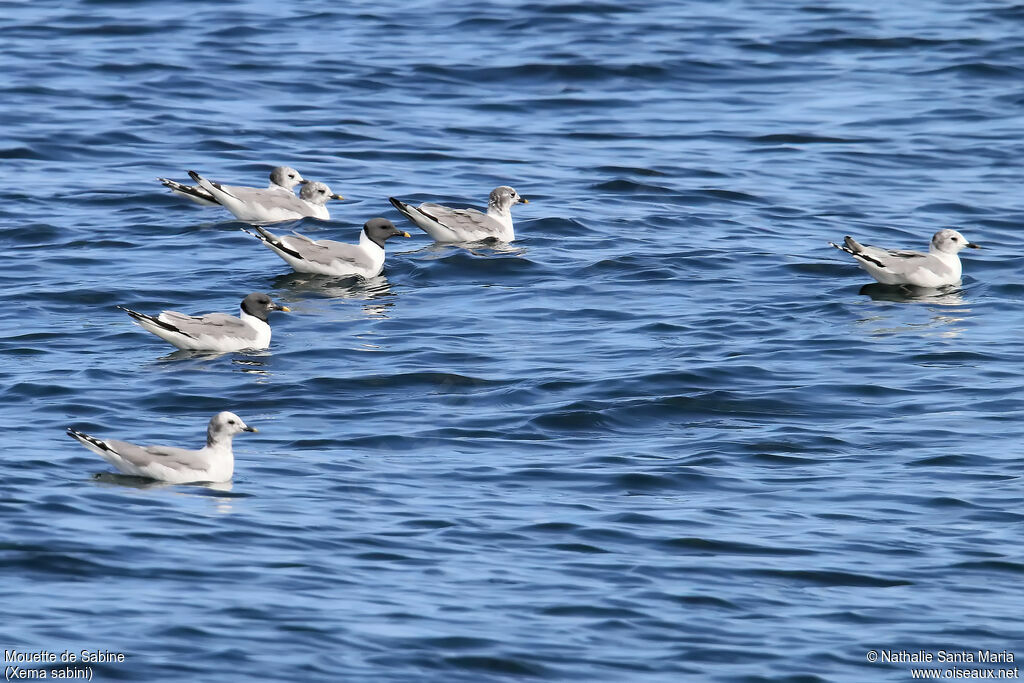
x: 136, y: 314
x: 155, y: 321
x: 405, y: 209
x: 194, y: 176
x: 857, y: 254
x: 271, y: 240
x: 263, y: 236
x: 277, y: 244
x: 81, y: 436
x: 188, y: 190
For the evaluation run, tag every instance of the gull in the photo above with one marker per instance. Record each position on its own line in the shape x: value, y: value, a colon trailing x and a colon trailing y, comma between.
x: 327, y: 257
x: 938, y: 268
x: 282, y: 179
x: 214, y: 331
x: 214, y: 462
x: 466, y: 225
x: 269, y: 206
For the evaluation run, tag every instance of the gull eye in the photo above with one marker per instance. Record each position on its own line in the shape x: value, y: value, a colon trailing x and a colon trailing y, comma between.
x: 231, y: 422
x: 291, y: 175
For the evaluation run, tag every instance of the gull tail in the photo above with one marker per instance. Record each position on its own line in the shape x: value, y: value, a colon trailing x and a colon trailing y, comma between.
x: 205, y: 185
x: 402, y: 207
x: 272, y: 241
x: 856, y: 250
x: 152, y: 323
x: 421, y: 219
x: 415, y: 216
x: 91, y: 442
x: 843, y: 247
x: 194, y: 194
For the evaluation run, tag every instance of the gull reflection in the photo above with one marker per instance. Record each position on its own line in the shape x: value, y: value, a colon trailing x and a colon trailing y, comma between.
x: 245, y: 361
x: 376, y: 291
x: 946, y: 321
x: 943, y: 296
x: 186, y: 354
x: 250, y: 365
x: 214, y: 490
x: 113, y: 479
x: 484, y: 248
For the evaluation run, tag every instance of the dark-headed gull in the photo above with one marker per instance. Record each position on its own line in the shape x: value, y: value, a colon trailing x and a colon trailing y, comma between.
x: 214, y: 331
x: 327, y: 257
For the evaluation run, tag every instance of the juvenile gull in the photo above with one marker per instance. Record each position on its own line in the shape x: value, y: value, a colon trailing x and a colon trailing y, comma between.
x: 466, y: 225
x: 214, y: 331
x: 214, y: 462
x: 282, y: 179
x: 327, y: 257
x: 269, y: 206
x: 938, y: 268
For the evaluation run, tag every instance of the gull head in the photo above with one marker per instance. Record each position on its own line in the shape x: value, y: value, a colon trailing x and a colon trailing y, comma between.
x: 379, y: 230
x: 224, y: 426
x: 287, y: 177
x: 950, y: 242
x: 260, y: 305
x: 502, y: 198
x: 317, y: 193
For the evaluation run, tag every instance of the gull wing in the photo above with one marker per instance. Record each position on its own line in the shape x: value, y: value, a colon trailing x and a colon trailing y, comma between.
x: 211, y: 325
x: 177, y: 459
x: 468, y: 224
x: 906, y: 262
x: 326, y: 251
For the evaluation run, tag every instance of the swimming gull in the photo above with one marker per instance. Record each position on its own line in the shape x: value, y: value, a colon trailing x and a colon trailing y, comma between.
x: 466, y: 225
x: 214, y: 331
x: 282, y: 179
x: 327, y: 257
x: 269, y: 206
x: 214, y: 462
x: 938, y: 268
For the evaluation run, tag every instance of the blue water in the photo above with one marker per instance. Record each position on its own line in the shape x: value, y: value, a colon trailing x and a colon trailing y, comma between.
x: 664, y: 436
